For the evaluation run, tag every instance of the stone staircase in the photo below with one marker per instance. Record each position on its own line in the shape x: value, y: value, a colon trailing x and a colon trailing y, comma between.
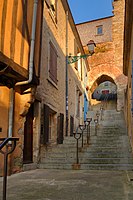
x: 109, y: 150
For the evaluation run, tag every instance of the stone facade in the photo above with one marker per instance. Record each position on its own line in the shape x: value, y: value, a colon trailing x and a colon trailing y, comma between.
x: 106, y: 64
x: 128, y: 67
x: 40, y: 109
x: 64, y: 37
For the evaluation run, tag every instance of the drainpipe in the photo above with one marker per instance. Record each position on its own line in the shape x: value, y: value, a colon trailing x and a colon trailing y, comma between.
x: 11, y: 111
x: 132, y: 91
x: 66, y: 73
x: 12, y: 92
x: 32, y: 46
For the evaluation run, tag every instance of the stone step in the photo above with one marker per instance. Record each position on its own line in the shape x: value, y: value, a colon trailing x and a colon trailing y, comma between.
x: 107, y: 155
x: 88, y: 155
x: 55, y: 166
x: 88, y: 166
x: 109, y: 150
x: 105, y: 161
x: 90, y: 149
x: 66, y: 160
x: 88, y: 160
x: 106, y: 167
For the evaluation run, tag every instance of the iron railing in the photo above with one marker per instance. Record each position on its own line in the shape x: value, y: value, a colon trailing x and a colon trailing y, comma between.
x: 10, y: 145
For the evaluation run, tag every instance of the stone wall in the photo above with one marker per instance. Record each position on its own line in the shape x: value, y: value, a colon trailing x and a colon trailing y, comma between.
x: 107, y: 61
x: 88, y: 31
x: 51, y: 94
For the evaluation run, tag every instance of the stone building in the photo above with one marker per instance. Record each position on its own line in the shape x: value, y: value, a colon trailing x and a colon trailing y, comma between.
x: 107, y: 62
x: 128, y: 67
x: 42, y: 97
x: 62, y: 90
x: 19, y: 73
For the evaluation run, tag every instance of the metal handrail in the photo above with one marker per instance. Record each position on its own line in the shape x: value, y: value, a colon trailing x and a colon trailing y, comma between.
x: 6, y: 140
x: 7, y: 151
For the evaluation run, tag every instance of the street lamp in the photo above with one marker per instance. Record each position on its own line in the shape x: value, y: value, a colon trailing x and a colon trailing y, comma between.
x: 91, y: 46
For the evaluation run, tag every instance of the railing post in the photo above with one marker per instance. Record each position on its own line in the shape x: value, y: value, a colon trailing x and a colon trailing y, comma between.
x: 5, y: 174
x: 97, y: 116
x: 96, y: 123
x: 101, y: 109
x: 8, y: 151
x: 87, y: 123
x: 82, y: 128
x: 77, y: 136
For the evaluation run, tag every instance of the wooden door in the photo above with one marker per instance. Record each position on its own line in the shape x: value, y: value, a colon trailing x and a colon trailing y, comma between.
x: 28, y: 137
x: 60, y: 129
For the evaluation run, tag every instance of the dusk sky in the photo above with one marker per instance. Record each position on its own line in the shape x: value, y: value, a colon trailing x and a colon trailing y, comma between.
x: 86, y: 10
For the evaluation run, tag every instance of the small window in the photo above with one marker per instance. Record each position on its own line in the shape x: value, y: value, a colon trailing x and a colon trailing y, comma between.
x: 99, y: 30
x: 52, y: 6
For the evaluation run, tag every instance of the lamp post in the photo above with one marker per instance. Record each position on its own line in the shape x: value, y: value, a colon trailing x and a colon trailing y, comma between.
x: 91, y: 46
x: 87, y: 123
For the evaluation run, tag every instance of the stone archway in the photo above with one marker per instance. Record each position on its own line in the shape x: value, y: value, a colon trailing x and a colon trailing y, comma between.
x: 109, y: 72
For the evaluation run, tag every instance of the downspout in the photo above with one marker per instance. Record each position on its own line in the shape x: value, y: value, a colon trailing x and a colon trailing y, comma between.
x: 12, y: 91
x: 132, y: 90
x: 32, y: 46
x: 66, y: 73
x: 11, y: 112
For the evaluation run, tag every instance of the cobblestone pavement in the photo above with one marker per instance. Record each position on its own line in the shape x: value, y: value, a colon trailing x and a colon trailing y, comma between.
x: 69, y: 185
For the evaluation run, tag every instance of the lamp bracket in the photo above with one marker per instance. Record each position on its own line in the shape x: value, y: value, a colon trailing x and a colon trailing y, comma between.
x: 73, y: 59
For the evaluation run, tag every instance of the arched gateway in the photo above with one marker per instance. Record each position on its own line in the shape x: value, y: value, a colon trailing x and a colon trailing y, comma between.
x: 110, y: 73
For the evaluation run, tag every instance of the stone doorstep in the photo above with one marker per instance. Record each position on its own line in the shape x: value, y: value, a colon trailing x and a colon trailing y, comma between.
x: 30, y: 166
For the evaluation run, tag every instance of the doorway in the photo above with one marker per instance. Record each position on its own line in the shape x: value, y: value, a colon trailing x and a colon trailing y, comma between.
x: 28, y: 136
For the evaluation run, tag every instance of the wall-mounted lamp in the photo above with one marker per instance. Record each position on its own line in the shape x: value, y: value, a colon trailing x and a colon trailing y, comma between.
x: 91, y: 46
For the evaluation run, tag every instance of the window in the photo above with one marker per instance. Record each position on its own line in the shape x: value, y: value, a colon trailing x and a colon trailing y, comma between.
x: 99, y: 30
x: 53, y: 63
x: 52, y: 6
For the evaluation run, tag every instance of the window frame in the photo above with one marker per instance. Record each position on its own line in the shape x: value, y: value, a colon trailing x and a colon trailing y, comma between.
x: 99, y: 30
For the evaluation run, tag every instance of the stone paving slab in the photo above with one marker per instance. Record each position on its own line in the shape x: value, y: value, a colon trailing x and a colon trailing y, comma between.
x: 43, y: 184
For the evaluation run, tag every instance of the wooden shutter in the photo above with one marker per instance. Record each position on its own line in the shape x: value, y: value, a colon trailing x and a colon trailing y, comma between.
x: 46, y: 125
x: 60, y: 128
x: 53, y: 63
